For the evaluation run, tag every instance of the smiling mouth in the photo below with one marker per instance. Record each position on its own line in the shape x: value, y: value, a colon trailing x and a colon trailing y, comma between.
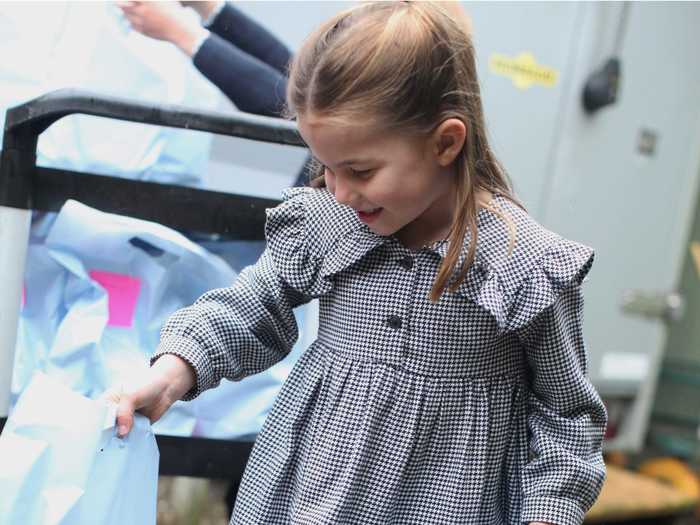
x: 369, y: 216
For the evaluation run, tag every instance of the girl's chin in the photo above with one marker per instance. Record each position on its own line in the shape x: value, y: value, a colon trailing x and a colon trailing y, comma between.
x: 381, y: 230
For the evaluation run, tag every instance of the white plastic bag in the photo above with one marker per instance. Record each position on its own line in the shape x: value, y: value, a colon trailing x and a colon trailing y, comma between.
x: 88, y: 45
x: 62, y: 463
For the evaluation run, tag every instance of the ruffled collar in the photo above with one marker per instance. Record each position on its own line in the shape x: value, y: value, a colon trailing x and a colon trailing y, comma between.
x: 512, y: 287
x: 481, y: 284
x: 350, y: 248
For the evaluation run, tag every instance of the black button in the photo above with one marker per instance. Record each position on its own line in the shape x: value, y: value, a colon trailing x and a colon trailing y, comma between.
x: 406, y: 263
x: 394, y: 321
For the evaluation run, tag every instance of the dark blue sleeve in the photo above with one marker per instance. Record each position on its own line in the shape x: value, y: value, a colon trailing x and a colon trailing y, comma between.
x: 251, y: 84
x: 246, y: 34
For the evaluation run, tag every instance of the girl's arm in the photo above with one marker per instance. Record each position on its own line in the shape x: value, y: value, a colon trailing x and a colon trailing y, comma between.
x: 566, y: 417
x: 237, y: 331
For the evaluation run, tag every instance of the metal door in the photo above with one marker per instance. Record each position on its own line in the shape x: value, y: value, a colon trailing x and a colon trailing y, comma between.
x: 624, y: 180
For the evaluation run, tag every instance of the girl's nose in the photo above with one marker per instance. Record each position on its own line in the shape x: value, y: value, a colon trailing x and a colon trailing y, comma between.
x: 343, y: 191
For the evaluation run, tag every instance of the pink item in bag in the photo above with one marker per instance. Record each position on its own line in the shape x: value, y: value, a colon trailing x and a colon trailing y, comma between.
x: 122, y: 294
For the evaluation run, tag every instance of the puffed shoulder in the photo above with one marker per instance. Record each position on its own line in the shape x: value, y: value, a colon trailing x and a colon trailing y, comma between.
x: 565, y: 263
x: 518, y: 286
x: 311, y: 237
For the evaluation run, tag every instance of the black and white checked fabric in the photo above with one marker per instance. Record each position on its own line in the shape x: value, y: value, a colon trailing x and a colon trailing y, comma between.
x: 476, y: 409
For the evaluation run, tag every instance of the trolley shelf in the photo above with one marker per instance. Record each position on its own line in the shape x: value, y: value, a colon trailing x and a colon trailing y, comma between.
x: 25, y: 186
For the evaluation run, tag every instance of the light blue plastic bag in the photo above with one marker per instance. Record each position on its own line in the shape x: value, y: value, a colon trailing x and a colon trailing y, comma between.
x: 69, y: 327
x: 62, y: 463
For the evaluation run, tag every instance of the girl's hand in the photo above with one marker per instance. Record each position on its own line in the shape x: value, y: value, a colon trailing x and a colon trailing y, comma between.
x: 167, y: 21
x: 166, y: 381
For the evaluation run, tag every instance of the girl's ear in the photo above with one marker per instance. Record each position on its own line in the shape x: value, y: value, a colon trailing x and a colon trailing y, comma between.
x: 448, y: 140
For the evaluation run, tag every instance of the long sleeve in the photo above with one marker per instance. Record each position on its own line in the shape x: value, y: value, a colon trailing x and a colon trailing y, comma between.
x: 235, y: 332
x: 244, y: 329
x: 252, y: 38
x: 566, y: 417
x: 251, y: 84
x: 248, y: 64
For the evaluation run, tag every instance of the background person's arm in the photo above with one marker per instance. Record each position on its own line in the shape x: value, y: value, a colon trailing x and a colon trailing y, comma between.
x: 231, y: 24
x: 250, y: 83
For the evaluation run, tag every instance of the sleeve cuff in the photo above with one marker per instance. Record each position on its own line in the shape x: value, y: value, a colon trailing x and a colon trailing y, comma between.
x: 548, y: 509
x: 195, y: 356
x: 214, y: 13
x: 199, y: 42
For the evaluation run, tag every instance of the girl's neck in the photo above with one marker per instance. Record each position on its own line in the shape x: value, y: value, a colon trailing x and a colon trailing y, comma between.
x: 435, y: 224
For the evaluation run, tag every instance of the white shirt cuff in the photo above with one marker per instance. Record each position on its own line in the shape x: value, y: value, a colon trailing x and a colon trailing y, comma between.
x: 214, y: 13
x: 200, y: 41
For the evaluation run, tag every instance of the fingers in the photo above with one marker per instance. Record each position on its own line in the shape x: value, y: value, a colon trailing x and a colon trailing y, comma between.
x: 125, y: 415
x: 133, y: 10
x: 150, y: 391
x: 125, y: 408
x: 131, y: 14
x: 128, y: 401
x: 112, y: 396
x: 128, y: 404
x: 128, y: 8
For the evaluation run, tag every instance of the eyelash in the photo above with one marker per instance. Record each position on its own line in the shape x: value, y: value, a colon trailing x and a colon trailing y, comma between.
x: 360, y: 173
x: 356, y: 173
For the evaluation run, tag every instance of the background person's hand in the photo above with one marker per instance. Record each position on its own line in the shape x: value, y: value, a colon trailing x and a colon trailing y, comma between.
x: 165, y: 382
x: 168, y: 21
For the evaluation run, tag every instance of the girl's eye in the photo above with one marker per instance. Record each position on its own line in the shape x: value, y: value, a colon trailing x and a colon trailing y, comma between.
x: 360, y: 173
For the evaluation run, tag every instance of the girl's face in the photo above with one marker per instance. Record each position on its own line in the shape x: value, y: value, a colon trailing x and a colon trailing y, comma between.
x: 396, y: 184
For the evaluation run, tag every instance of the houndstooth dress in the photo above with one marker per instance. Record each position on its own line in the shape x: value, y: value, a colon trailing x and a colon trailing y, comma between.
x: 472, y: 410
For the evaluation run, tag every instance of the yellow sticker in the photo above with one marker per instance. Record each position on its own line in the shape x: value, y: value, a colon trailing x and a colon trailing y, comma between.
x: 523, y: 70
x: 695, y: 252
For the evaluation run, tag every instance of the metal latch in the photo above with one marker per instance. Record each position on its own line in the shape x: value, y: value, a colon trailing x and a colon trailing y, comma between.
x: 666, y: 306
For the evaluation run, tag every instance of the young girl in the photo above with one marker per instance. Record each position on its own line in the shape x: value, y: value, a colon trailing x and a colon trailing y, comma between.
x: 448, y: 381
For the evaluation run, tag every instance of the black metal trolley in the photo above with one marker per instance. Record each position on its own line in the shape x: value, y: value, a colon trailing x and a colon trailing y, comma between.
x: 24, y: 187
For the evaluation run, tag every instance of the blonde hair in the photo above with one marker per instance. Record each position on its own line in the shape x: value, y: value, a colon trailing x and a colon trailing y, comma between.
x: 405, y: 67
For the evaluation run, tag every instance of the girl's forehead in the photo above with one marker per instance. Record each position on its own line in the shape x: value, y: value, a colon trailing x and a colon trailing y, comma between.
x: 327, y: 132
x: 334, y: 141
x: 338, y: 125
